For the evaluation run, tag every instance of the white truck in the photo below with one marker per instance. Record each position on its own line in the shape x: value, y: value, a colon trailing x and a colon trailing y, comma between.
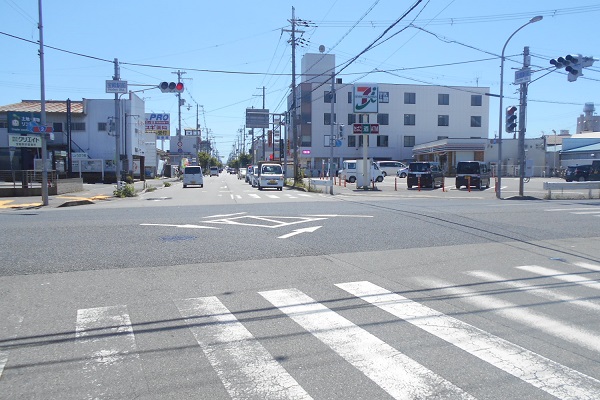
x: 270, y: 175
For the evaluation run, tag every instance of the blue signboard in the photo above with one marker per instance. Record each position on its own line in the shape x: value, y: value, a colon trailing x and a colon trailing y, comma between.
x: 22, y: 122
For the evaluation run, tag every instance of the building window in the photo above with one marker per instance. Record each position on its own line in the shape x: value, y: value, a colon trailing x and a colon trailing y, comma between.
x: 443, y: 120
x: 353, y: 140
x: 443, y: 99
x: 382, y: 140
x: 351, y: 119
x: 475, y: 121
x: 327, y: 97
x: 363, y: 118
x: 78, y: 126
x: 4, y: 124
x: 409, y: 119
x: 327, y: 119
x: 384, y: 97
x: 349, y: 97
x: 101, y: 126
x: 57, y: 126
x: 410, y: 98
x: 383, y: 119
x: 476, y: 100
x: 409, y: 141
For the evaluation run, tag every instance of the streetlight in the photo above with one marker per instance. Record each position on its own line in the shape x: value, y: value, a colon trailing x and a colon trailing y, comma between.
x: 499, y: 188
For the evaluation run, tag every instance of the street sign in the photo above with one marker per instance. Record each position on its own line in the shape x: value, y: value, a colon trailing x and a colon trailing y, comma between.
x: 257, y: 118
x: 42, y: 129
x: 522, y: 76
x: 116, y: 86
x: 361, y: 129
x: 366, y: 98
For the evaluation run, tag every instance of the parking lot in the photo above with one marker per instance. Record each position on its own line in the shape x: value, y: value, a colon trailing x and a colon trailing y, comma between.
x: 392, y: 186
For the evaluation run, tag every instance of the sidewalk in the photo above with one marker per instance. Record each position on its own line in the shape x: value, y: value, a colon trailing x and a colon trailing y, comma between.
x: 92, y: 193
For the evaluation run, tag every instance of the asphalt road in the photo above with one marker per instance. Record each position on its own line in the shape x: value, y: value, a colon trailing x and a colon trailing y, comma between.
x: 228, y: 292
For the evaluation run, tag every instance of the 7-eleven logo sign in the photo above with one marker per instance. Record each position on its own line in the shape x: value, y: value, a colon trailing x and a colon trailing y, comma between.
x: 366, y: 98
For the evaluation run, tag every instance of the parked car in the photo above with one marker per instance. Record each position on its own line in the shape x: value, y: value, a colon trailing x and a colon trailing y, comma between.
x: 348, y: 171
x: 389, y: 167
x: 595, y: 171
x: 578, y: 173
x: 424, y: 174
x: 472, y: 173
x: 402, y: 172
x: 241, y: 173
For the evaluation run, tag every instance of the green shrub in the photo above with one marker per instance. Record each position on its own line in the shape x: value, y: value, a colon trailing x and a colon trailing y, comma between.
x: 167, y: 184
x: 125, y: 191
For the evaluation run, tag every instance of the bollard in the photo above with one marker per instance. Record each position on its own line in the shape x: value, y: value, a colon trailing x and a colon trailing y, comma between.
x: 396, y: 184
x: 469, y: 183
x: 419, y: 183
x: 443, y: 184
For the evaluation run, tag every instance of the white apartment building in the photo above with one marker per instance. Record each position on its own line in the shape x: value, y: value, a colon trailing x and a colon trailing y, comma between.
x: 408, y: 115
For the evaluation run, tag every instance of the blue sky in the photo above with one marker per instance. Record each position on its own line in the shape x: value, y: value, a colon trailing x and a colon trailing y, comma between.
x: 244, y: 40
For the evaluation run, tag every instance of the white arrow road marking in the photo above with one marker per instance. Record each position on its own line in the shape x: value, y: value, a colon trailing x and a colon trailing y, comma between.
x: 298, y: 231
x: 183, y: 226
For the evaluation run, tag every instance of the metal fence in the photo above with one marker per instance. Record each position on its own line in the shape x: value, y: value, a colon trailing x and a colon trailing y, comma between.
x: 26, y: 178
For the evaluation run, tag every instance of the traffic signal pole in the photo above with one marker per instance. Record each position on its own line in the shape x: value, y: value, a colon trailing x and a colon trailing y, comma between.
x: 522, y: 114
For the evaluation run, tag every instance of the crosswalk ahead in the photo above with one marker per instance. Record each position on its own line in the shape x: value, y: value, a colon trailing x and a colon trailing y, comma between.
x: 112, y: 354
x: 264, y: 195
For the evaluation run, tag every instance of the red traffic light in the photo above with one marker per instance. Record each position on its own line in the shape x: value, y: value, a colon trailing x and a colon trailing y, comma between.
x: 171, y: 87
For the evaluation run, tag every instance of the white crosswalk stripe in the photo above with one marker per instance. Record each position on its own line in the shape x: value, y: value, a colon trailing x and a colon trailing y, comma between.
x: 535, y: 289
x: 245, y: 367
x: 534, y: 369
x: 571, y: 278
x: 393, y: 371
x: 587, y: 339
x: 112, y: 363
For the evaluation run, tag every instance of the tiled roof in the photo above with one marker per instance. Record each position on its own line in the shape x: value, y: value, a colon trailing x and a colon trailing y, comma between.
x: 52, y: 106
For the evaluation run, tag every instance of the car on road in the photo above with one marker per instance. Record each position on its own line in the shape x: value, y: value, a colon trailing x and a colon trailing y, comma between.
x: 214, y: 171
x: 192, y: 175
x: 241, y: 173
x: 424, y: 174
x: 472, y: 173
x: 578, y: 173
x: 270, y: 175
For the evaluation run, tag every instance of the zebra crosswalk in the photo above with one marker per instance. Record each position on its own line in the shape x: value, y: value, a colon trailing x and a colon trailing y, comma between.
x: 111, y: 349
x: 589, y: 211
x: 274, y: 195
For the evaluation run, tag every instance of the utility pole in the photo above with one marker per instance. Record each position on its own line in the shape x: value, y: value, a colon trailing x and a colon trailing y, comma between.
x: 332, y: 131
x: 293, y: 118
x: 263, y: 129
x: 117, y: 127
x: 522, y: 114
x: 43, y: 111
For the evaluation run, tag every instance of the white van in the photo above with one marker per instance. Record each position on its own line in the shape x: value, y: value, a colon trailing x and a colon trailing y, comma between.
x: 214, y: 171
x: 270, y: 175
x: 192, y: 175
x: 348, y: 171
x: 390, y: 167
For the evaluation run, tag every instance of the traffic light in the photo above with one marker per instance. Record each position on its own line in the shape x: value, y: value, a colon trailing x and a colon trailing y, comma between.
x: 171, y: 87
x: 511, y: 119
x: 573, y: 64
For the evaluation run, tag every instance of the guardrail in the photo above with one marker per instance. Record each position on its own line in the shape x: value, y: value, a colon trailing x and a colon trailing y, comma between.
x: 562, y: 186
